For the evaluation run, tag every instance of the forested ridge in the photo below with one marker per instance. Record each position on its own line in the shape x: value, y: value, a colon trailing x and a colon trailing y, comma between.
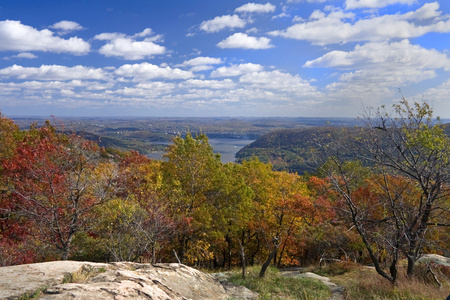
x: 63, y: 197
x: 290, y: 149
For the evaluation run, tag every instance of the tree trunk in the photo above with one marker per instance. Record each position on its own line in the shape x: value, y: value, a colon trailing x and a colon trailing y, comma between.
x: 410, y: 268
x: 267, y: 263
x: 228, y: 240
x: 243, y: 262
x: 154, y: 253
x: 65, y: 253
x: 253, y: 255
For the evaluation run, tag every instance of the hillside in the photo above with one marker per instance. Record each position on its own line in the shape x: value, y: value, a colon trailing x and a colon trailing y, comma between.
x: 291, y: 149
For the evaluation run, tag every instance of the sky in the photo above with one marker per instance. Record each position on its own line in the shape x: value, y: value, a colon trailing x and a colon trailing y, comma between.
x: 211, y: 58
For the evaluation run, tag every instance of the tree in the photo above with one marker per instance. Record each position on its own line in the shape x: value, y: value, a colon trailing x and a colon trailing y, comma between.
x: 146, y: 216
x: 191, y: 177
x: 411, y: 155
x: 280, y: 202
x: 412, y: 144
x: 55, y: 180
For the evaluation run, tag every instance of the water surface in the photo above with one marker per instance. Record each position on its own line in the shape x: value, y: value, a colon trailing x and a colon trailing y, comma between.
x: 226, y: 147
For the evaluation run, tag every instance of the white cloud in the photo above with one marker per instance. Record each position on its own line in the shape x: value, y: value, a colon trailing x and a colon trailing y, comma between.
x: 109, y: 36
x: 65, y: 27
x: 140, y: 88
x: 352, y: 4
x: 385, y: 56
x: 209, y: 84
x: 127, y: 47
x: 278, y: 81
x: 14, y: 36
x: 144, y: 33
x: 281, y: 15
x: 223, y: 22
x: 375, y: 71
x: 27, y: 55
x: 241, y: 40
x: 201, y: 63
x: 437, y: 97
x: 324, y: 29
x: 236, y: 70
x: 131, y: 50
x: 146, y: 71
x: 56, y: 85
x: 53, y: 72
x: 308, y: 1
x: 146, y: 90
x: 202, y: 60
x: 256, y: 8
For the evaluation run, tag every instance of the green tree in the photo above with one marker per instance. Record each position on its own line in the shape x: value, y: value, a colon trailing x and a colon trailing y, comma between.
x: 191, y: 176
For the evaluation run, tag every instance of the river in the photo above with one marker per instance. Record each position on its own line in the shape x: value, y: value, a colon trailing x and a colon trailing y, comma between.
x: 226, y: 147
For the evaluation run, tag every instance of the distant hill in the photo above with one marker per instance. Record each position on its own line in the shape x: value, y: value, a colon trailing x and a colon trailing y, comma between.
x: 289, y: 149
x: 292, y: 149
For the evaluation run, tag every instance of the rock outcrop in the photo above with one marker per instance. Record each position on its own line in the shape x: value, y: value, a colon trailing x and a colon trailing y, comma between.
x: 85, y: 280
x: 436, y: 259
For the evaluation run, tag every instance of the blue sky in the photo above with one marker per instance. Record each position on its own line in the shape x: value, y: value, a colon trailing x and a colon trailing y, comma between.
x: 296, y: 58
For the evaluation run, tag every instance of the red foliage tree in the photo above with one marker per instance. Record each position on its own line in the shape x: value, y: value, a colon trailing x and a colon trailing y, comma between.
x: 54, y: 180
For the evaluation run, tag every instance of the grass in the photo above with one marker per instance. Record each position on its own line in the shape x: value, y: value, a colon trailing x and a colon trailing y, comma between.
x: 276, y: 286
x: 363, y: 283
x: 34, y: 295
x: 82, y: 275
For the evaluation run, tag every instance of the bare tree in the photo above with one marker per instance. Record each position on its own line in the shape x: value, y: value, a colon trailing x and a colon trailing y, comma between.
x: 410, y: 151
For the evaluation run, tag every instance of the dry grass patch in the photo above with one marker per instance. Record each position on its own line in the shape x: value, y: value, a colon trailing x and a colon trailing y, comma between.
x: 364, y: 283
x: 83, y: 274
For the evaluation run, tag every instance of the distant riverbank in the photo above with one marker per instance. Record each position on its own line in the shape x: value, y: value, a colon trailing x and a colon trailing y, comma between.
x: 226, y: 147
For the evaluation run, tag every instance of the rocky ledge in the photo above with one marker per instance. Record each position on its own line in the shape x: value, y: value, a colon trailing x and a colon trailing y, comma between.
x: 86, y: 280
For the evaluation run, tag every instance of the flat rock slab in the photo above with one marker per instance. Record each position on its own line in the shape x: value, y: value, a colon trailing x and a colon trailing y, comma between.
x: 112, y: 281
x: 22, y: 279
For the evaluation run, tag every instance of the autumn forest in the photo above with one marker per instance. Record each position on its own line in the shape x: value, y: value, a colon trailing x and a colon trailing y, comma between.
x: 64, y: 197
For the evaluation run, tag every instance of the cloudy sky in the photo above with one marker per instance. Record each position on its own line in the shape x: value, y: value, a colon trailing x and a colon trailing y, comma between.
x: 299, y: 58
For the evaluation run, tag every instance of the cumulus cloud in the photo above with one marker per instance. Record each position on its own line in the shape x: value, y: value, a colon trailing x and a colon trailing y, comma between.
x: 438, y: 97
x: 352, y: 4
x: 209, y: 84
x: 127, y: 47
x: 65, y: 27
x: 145, y: 86
x: 146, y: 71
x: 202, y: 60
x: 14, y: 36
x: 256, y: 8
x: 27, y: 55
x: 53, y: 72
x: 223, y: 22
x: 201, y: 63
x: 236, y: 70
x: 333, y: 28
x: 375, y: 70
x: 146, y: 90
x: 243, y: 41
x: 384, y: 55
x: 308, y: 1
x: 277, y: 80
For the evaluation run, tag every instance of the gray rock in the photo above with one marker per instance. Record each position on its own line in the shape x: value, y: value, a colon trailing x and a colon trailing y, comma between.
x: 435, y: 258
x: 114, y: 281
